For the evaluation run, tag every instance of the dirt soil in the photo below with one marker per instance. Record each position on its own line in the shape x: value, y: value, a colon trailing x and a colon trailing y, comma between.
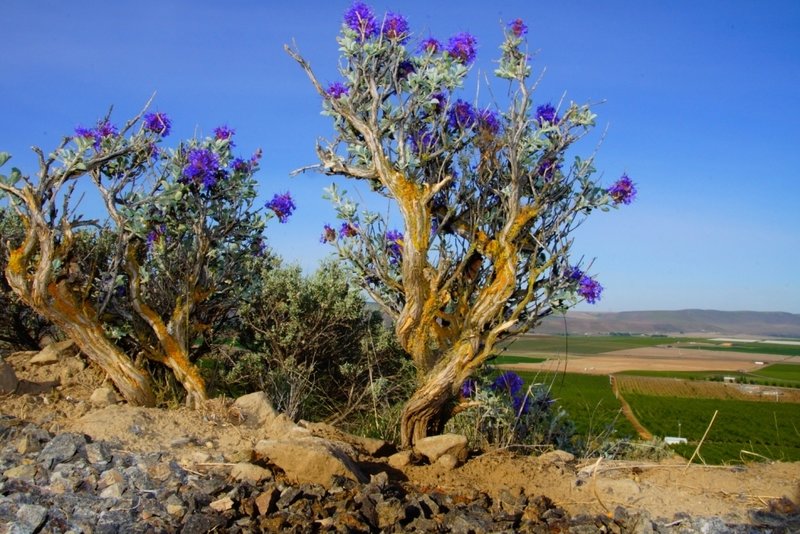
x: 212, y: 439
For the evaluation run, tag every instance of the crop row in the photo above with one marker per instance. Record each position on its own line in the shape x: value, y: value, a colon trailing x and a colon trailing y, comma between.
x: 770, y: 430
x: 676, y: 387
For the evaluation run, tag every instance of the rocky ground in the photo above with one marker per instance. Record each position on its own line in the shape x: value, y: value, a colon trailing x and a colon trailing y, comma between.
x: 72, y: 458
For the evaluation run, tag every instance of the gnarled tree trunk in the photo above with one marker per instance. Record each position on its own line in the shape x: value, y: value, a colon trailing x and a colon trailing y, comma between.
x: 56, y: 303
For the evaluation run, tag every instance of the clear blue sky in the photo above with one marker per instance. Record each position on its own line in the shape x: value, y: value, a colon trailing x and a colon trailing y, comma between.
x: 702, y: 105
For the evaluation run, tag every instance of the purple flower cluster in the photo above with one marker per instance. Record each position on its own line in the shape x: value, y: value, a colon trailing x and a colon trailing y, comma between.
x: 395, y: 27
x: 155, y: 235
x: 518, y: 27
x: 462, y: 115
x: 361, y: 20
x: 157, y: 123
x: 461, y: 47
x: 336, y: 90
x: 488, y: 121
x: 508, y: 382
x: 548, y: 168
x: 223, y: 133
x: 430, y: 45
x: 282, y: 205
x: 546, y: 113
x: 202, y: 167
x: 328, y: 234
x: 101, y: 131
x: 423, y: 141
x: 348, y: 230
x: 468, y: 388
x: 394, y: 245
x: 623, y: 191
x: 589, y: 288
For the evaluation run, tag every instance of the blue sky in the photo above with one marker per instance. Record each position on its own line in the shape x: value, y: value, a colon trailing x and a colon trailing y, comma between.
x: 700, y: 103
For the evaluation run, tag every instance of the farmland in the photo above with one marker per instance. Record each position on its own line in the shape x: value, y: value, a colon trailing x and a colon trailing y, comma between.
x: 674, y: 385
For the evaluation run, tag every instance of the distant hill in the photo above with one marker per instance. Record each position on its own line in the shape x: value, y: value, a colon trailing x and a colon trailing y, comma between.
x: 743, y: 323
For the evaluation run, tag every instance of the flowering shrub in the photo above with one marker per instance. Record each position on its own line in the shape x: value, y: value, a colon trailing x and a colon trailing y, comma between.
x: 181, y: 234
x: 487, y: 197
x: 500, y: 411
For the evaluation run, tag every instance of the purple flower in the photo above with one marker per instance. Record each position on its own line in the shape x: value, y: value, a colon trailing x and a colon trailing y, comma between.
x: 155, y: 235
x: 348, y: 230
x: 509, y: 382
x: 394, y: 245
x: 395, y: 27
x: 282, y: 205
x: 101, y: 131
x: 548, y: 167
x: 546, y: 113
x: 361, y: 20
x: 405, y: 68
x: 106, y: 129
x: 521, y: 404
x: 202, y: 166
x: 574, y: 273
x: 157, y: 123
x: 461, y: 48
x: 423, y: 141
x: 336, y: 90
x: 224, y: 133
x: 589, y: 289
x: 518, y: 27
x: 468, y: 388
x: 623, y: 191
x: 328, y: 234
x: 430, y: 45
x: 462, y: 115
x: 240, y: 165
x: 488, y: 121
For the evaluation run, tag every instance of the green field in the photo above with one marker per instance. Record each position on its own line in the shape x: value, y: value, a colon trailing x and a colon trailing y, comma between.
x: 768, y: 429
x: 750, y: 348
x: 589, y: 402
x: 781, y: 371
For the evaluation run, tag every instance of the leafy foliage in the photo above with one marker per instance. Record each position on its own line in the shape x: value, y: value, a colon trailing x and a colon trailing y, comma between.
x: 312, y: 344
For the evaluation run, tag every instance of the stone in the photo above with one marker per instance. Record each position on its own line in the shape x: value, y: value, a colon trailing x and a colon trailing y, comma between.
x: 371, y: 446
x: 448, y: 462
x: 245, y: 471
x: 266, y: 499
x: 221, y: 505
x: 434, y: 447
x: 555, y: 458
x: 21, y: 472
x: 310, y: 459
x: 61, y: 449
x: 102, y: 397
x: 53, y: 352
x: 31, y: 517
x: 255, y: 409
x: 401, y: 459
x: 8, y: 378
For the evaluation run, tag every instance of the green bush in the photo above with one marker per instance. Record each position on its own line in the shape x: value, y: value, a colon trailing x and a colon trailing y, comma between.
x: 313, y: 346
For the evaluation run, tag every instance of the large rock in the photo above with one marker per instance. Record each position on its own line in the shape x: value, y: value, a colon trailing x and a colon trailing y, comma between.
x: 310, y: 459
x: 434, y: 447
x: 370, y: 446
x: 54, y: 352
x: 8, y: 378
x: 257, y: 412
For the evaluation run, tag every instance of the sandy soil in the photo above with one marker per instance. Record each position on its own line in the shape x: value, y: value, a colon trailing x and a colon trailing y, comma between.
x: 212, y: 438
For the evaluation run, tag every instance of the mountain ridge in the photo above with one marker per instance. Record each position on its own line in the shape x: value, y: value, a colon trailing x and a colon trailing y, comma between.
x: 692, y: 320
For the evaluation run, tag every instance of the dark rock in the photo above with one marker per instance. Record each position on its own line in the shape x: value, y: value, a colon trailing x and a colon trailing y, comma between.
x: 203, y: 523
x: 62, y: 448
